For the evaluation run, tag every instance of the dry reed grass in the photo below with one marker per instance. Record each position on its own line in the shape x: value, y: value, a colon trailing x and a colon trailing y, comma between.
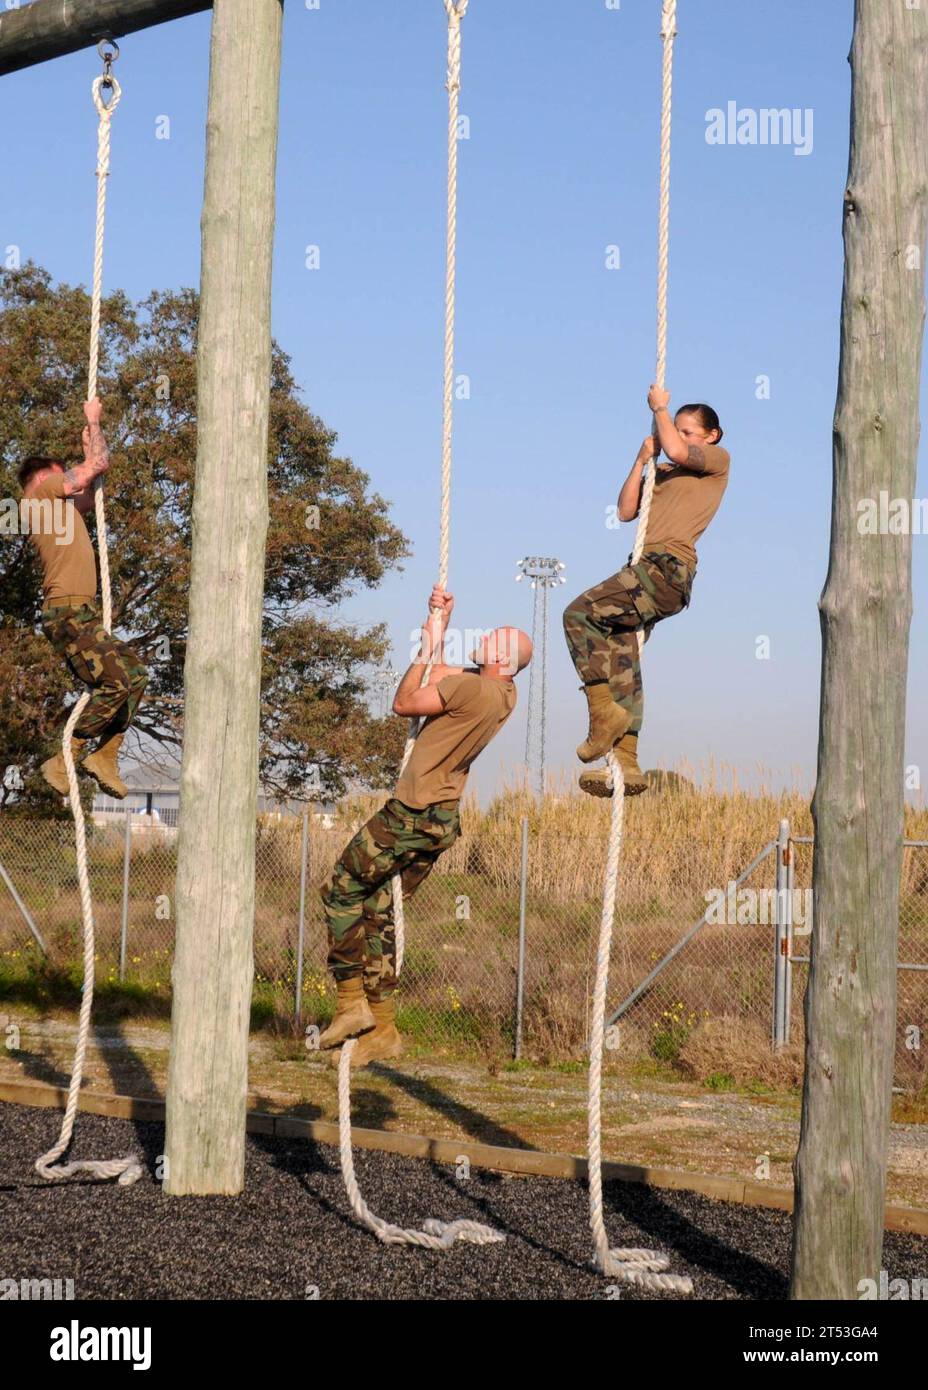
x: 709, y: 1012
x: 739, y: 1049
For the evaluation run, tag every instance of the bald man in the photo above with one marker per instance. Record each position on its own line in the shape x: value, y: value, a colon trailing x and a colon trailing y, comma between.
x: 462, y: 711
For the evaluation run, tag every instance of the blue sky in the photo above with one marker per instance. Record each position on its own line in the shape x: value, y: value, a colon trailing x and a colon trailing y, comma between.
x: 563, y: 101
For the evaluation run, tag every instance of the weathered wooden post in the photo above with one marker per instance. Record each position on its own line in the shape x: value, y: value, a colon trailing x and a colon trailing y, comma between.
x: 865, y: 612
x: 213, y: 966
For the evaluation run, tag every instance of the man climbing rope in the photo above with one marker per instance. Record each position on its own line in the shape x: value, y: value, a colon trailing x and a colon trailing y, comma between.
x: 601, y: 626
x: 463, y: 710
x: 70, y: 618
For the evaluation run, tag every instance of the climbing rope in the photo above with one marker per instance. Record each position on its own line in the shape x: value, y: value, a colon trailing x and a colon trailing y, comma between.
x: 456, y: 10
x: 435, y: 1235
x: 127, y: 1169
x: 641, y: 1267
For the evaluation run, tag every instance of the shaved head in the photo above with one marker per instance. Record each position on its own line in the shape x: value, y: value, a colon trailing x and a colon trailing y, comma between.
x: 508, y: 648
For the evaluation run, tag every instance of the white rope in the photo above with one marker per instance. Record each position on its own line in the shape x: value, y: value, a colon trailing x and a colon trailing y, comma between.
x: 456, y: 10
x: 105, y: 112
x: 127, y: 1169
x: 435, y: 1235
x: 640, y: 1267
x: 668, y: 34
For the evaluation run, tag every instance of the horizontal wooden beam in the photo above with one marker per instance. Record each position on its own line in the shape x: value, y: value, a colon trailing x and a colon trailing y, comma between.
x: 50, y: 28
x: 524, y: 1162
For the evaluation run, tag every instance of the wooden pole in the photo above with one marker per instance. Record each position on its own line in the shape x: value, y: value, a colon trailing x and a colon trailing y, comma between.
x: 212, y: 977
x: 49, y: 29
x: 866, y: 607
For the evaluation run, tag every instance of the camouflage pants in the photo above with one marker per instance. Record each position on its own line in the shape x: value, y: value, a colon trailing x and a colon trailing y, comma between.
x: 358, y: 898
x: 601, y: 625
x: 111, y: 668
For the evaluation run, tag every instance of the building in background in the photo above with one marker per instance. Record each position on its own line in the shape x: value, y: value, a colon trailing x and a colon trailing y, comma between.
x: 155, y: 800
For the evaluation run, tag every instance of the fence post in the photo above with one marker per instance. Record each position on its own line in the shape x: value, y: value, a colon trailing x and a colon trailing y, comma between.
x: 781, y: 937
x: 301, y: 925
x: 124, y: 929
x: 27, y: 916
x: 520, y: 970
x: 788, y: 954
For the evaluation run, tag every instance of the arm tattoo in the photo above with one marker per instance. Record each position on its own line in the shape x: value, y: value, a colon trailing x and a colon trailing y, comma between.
x: 697, y: 459
x: 79, y: 478
x: 98, y: 453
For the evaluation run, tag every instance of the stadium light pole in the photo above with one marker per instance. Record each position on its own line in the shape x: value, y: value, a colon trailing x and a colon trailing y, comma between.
x: 543, y: 573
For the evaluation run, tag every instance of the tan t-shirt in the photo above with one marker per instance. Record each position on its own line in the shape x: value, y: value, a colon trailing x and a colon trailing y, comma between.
x: 69, y: 566
x: 684, y: 503
x: 476, y: 708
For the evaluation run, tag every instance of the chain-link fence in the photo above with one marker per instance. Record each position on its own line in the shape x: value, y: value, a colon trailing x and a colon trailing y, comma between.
x: 459, y: 975
x: 703, y: 997
x: 911, y: 1061
x: 693, y: 982
x: 725, y: 998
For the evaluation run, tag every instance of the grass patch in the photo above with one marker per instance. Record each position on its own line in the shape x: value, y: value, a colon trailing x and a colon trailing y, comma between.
x: 42, y: 987
x: 652, y: 1069
x: 442, y: 1026
x: 911, y: 1109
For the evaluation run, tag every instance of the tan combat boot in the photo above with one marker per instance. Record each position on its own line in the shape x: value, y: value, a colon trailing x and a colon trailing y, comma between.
x: 55, y: 772
x: 382, y: 1043
x: 599, y: 781
x: 103, y: 767
x: 352, y: 1013
x: 608, y: 722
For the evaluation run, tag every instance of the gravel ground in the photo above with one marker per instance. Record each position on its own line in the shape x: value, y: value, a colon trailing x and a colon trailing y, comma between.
x: 291, y: 1229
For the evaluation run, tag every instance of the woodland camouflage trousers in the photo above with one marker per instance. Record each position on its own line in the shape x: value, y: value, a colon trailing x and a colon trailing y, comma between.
x: 358, y: 898
x: 601, y: 625
x: 112, y: 669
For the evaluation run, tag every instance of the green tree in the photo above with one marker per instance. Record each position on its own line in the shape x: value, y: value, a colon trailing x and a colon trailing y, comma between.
x: 329, y: 535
